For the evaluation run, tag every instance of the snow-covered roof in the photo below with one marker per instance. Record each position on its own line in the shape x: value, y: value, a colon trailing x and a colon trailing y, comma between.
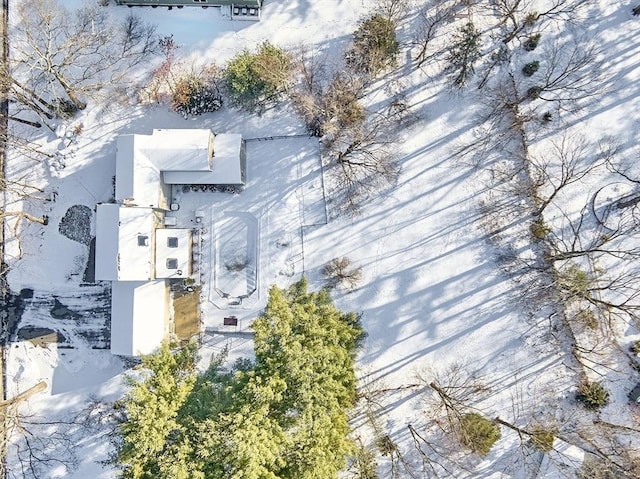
x: 137, y: 177
x: 124, y: 243
x: 226, y: 170
x: 177, y: 149
x: 173, y: 253
x: 138, y: 316
x: 106, y: 262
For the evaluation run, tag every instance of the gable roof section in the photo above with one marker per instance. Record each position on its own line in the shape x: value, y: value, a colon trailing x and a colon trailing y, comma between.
x: 177, y: 149
x: 137, y: 177
x: 138, y: 311
x: 227, y: 165
x: 124, y: 243
x: 106, y: 263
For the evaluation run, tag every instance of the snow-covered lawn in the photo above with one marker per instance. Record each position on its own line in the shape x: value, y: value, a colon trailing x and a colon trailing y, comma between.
x: 434, y: 292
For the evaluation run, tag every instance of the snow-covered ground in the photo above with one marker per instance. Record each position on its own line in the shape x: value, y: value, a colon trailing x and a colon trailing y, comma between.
x: 432, y: 293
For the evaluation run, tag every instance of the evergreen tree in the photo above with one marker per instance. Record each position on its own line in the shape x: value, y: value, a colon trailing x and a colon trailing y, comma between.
x: 151, y: 409
x: 375, y: 46
x: 464, y: 53
x: 283, y: 416
x: 253, y: 79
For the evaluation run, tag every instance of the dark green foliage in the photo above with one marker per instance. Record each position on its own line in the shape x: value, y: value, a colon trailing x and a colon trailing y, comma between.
x: 464, y: 53
x: 253, y: 79
x: 592, y: 395
x: 531, y: 43
x: 282, y: 416
x: 478, y: 433
x: 533, y: 93
x: 529, y: 19
x: 375, y: 46
x: 530, y: 68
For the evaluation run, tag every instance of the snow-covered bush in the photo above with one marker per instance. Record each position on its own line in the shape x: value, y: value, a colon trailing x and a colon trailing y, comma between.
x: 196, y: 94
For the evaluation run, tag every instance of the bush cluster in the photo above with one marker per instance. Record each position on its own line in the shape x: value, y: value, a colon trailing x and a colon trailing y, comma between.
x: 193, y: 95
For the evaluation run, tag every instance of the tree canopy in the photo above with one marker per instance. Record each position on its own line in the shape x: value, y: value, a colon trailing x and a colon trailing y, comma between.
x: 281, y: 416
x: 254, y: 78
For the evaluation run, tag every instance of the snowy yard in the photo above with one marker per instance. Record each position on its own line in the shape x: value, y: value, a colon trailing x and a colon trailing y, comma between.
x: 449, y: 267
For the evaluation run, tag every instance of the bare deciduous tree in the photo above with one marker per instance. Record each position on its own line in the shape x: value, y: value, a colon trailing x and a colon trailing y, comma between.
x: 431, y: 18
x: 61, y: 58
x: 571, y: 71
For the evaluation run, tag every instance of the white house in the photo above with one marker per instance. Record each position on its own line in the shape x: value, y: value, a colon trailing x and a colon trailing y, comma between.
x: 135, y: 249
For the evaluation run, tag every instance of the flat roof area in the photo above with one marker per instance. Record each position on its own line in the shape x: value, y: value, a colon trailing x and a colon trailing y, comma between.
x: 173, y: 253
x: 138, y: 316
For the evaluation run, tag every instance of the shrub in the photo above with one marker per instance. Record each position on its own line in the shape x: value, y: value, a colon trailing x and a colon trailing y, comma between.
x: 364, y: 464
x: 386, y: 446
x: 531, y: 43
x: 635, y: 347
x: 193, y: 95
x: 341, y: 102
x: 332, y: 109
x: 592, y: 395
x: 253, y: 79
x: 65, y: 109
x: 575, y: 280
x: 539, y: 229
x: 375, y: 46
x: 534, y: 92
x: 478, y: 433
x: 530, y: 18
x: 586, y: 317
x: 530, y: 68
x: 547, y: 117
x: 542, y: 438
x: 338, y: 272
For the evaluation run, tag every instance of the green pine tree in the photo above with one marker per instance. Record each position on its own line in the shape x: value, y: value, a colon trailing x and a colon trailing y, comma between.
x: 283, y: 416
